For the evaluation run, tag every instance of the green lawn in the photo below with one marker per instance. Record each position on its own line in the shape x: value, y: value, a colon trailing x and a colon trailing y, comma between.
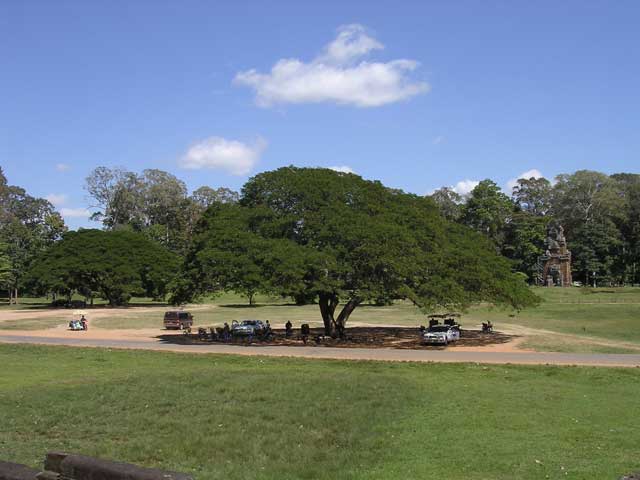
x: 612, y: 314
x: 228, y: 417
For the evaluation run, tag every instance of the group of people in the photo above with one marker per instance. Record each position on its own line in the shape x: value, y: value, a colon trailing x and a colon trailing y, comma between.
x: 487, y: 327
x: 225, y: 333
x: 81, y: 324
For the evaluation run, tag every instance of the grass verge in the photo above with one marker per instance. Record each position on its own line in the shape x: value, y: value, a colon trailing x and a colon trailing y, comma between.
x: 268, y: 418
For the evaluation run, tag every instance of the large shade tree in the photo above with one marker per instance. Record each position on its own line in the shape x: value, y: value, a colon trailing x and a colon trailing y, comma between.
x: 115, y: 265
x: 344, y: 240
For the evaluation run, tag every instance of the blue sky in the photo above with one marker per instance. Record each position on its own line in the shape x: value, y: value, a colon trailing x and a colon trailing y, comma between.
x: 417, y: 94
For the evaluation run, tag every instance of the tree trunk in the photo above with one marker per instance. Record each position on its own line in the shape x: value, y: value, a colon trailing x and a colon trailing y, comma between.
x: 328, y: 303
x: 345, y: 313
x: 15, y: 296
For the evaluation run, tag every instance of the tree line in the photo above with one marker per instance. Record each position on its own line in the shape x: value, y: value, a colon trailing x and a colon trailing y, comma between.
x: 316, y: 235
x: 28, y: 227
x: 600, y: 214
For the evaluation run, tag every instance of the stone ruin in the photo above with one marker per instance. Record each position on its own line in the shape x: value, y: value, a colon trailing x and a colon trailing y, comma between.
x: 554, y: 266
x: 63, y: 466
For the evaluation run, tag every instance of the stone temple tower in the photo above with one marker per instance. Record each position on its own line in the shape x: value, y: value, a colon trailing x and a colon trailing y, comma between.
x: 556, y: 261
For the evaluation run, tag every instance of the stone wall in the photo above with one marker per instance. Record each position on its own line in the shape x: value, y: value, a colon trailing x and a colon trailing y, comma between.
x: 63, y: 466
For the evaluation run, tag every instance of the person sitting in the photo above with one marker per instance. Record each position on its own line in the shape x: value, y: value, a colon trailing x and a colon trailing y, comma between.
x: 304, y: 332
x: 267, y: 330
x: 202, y: 333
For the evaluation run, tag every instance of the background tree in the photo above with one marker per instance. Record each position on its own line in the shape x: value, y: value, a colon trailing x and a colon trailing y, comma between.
x: 487, y: 211
x: 115, y: 264
x: 28, y: 226
x: 591, y: 206
x: 207, y: 196
x: 533, y: 195
x: 5, y: 266
x: 524, y: 242
x: 449, y: 203
x: 342, y: 239
x: 154, y: 202
x: 629, y: 185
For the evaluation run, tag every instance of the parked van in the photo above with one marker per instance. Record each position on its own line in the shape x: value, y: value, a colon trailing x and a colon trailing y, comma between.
x: 177, y: 319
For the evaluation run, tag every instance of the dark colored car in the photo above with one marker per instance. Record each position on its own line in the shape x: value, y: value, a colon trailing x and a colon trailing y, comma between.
x: 177, y: 319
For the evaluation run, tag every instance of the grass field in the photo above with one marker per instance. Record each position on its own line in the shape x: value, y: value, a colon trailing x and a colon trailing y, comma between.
x: 227, y: 417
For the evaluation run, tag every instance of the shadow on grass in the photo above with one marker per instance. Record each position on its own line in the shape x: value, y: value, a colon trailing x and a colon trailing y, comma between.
x: 257, y: 305
x: 49, y: 306
x: 356, y: 337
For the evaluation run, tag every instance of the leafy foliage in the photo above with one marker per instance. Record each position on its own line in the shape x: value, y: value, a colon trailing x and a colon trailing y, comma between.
x: 487, y: 211
x: 316, y: 232
x: 154, y: 202
x: 28, y: 226
x: 113, y: 264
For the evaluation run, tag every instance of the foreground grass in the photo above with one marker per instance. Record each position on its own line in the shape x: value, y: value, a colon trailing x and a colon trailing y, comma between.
x: 266, y: 418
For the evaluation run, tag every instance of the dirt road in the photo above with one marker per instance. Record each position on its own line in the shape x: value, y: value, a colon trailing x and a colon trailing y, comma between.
x: 384, y: 354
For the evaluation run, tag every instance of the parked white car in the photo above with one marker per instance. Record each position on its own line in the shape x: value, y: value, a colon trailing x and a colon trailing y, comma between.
x: 247, y: 328
x: 440, y: 335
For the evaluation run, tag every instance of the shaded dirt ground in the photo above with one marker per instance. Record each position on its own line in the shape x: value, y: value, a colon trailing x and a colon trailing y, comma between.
x: 358, y: 337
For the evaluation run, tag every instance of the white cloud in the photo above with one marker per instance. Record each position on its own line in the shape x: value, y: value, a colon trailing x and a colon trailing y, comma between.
x: 75, y: 212
x: 57, y: 199
x: 232, y: 156
x: 338, y: 75
x: 464, y: 187
x: 62, y: 167
x: 438, y: 140
x: 533, y: 173
x: 343, y: 169
x: 351, y: 43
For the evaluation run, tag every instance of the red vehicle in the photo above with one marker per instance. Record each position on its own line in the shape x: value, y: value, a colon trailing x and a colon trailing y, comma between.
x: 177, y: 319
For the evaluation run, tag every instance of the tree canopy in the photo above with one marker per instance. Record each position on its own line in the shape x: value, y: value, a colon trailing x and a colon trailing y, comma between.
x: 338, y: 238
x: 115, y: 265
x: 153, y: 202
x: 599, y: 213
x: 28, y: 226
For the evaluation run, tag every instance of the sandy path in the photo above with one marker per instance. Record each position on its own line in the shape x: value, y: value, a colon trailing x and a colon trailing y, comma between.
x: 521, y: 331
x: 384, y: 354
x: 149, y: 334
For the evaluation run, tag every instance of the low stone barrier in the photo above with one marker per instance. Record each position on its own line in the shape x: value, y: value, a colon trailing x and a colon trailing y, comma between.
x: 15, y: 471
x: 63, y: 466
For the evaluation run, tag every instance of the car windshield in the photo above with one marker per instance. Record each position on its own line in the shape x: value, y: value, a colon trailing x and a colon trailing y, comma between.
x: 439, y: 328
x: 249, y: 322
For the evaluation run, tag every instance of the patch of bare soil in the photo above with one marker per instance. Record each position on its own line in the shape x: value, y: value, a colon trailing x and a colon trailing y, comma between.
x: 362, y: 337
